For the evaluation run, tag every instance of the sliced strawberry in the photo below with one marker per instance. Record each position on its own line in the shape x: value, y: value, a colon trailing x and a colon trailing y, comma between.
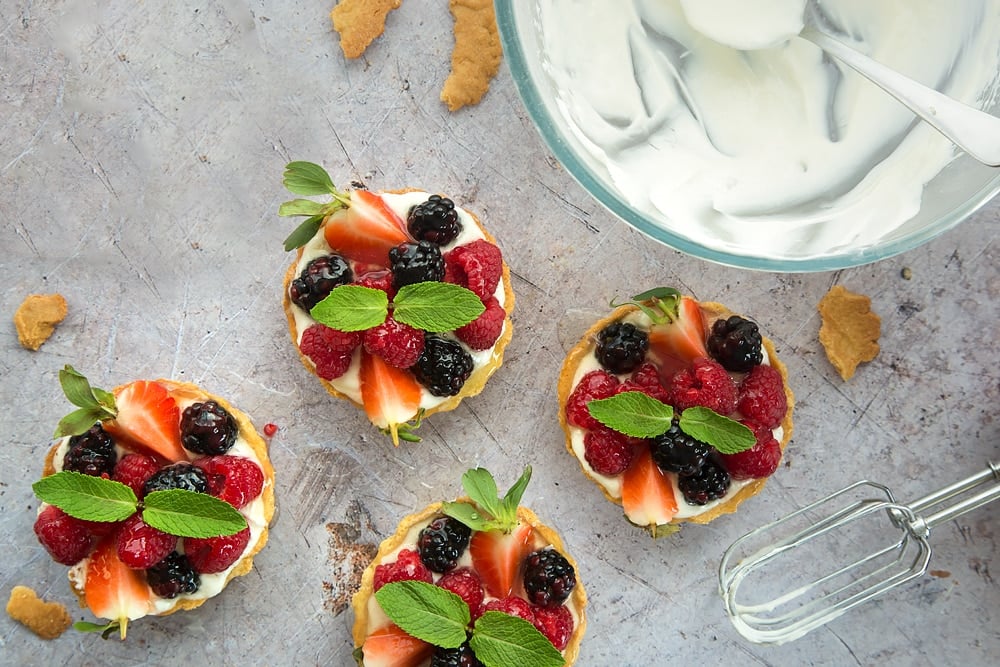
x: 390, y: 395
x: 498, y: 558
x: 148, y: 416
x: 113, y: 590
x: 389, y: 646
x: 647, y: 495
x: 681, y: 340
x: 366, y: 230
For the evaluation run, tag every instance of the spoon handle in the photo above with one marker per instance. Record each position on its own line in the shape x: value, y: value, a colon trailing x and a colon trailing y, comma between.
x: 975, y: 132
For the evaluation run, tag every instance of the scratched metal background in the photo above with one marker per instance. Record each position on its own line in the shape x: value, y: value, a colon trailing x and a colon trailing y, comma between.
x: 141, y: 150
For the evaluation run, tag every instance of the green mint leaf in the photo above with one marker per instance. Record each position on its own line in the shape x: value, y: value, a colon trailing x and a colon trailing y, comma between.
x: 513, y: 497
x: 87, y: 497
x: 190, y: 514
x: 632, y: 413
x: 726, y: 435
x: 482, y: 488
x: 426, y: 611
x: 352, y: 308
x: 499, y: 640
x: 470, y: 516
x: 300, y: 207
x: 106, y: 629
x: 303, y: 233
x: 436, y: 306
x: 79, y: 421
x: 307, y: 178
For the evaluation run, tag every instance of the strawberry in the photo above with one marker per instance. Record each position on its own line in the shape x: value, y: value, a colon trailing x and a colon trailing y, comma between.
x: 366, y: 230
x: 647, y: 495
x: 112, y: 589
x: 149, y: 418
x: 390, y: 395
x: 389, y: 646
x: 498, y: 557
x: 680, y: 337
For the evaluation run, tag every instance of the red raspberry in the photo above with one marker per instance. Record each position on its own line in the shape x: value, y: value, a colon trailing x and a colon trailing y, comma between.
x: 705, y: 383
x: 467, y: 585
x: 270, y: 429
x: 140, y: 546
x: 399, y: 344
x: 378, y: 279
x: 208, y: 555
x: 235, y: 479
x: 133, y: 470
x: 408, y: 566
x: 608, y: 452
x: 65, y: 538
x: 331, y: 350
x: 762, y: 396
x: 482, y: 332
x: 761, y: 460
x: 556, y: 623
x: 646, y: 379
x: 513, y: 606
x: 592, y: 386
x: 477, y: 265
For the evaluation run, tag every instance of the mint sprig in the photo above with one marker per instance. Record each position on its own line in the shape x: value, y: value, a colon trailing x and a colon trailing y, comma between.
x: 499, y: 639
x: 490, y: 511
x: 428, y: 306
x: 94, y: 404
x: 308, y: 178
x: 87, y: 497
x: 352, y: 308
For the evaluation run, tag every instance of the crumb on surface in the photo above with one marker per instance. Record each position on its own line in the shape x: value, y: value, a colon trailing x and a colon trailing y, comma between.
x: 48, y: 620
x: 476, y: 56
x: 36, y: 318
x: 850, y: 330
x: 359, y: 22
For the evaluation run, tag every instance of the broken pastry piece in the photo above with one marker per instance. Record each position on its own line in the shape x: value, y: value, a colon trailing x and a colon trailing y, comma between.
x: 850, y: 330
x: 475, y: 59
x: 36, y: 318
x: 359, y: 22
x: 48, y: 620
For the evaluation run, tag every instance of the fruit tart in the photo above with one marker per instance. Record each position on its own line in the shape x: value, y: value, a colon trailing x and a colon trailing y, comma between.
x: 478, y: 581
x: 679, y: 410
x: 156, y: 494
x: 398, y: 301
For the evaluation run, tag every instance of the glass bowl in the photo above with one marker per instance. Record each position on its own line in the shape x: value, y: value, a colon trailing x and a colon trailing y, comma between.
x: 955, y: 193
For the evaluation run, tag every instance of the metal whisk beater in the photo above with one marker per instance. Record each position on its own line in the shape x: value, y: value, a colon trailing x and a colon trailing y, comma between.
x: 757, y: 561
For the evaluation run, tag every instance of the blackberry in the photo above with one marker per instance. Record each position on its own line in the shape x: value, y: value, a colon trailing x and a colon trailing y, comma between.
x: 443, y: 366
x: 621, y: 347
x: 173, y: 576
x: 318, y: 279
x: 206, y: 428
x: 548, y: 578
x: 435, y: 220
x: 676, y: 451
x: 182, y: 475
x: 416, y: 263
x: 709, y: 483
x: 735, y: 343
x: 455, y: 657
x: 442, y: 542
x: 92, y: 453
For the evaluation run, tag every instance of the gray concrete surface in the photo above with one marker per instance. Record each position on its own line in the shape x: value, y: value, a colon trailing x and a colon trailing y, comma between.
x: 141, y: 151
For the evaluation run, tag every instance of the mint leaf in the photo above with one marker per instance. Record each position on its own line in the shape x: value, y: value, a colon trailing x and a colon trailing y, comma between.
x: 352, y: 308
x: 87, y: 497
x: 307, y: 178
x: 303, y: 233
x: 190, y: 514
x: 426, y: 611
x: 470, y: 516
x: 78, y: 422
x: 300, y: 207
x: 513, y: 496
x: 106, y: 629
x: 499, y: 640
x: 436, y: 306
x: 482, y: 488
x: 726, y: 435
x: 632, y: 413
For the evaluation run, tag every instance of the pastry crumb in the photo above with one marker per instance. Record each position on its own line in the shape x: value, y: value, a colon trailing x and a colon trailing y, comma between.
x: 359, y: 22
x: 850, y: 330
x: 476, y: 56
x: 36, y: 318
x: 48, y: 620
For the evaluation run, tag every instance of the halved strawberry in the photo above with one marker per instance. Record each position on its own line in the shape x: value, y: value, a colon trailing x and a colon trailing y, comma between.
x: 390, y: 395
x: 681, y: 339
x: 366, y: 230
x: 389, y: 646
x: 113, y: 590
x: 148, y: 416
x: 647, y: 495
x: 498, y: 558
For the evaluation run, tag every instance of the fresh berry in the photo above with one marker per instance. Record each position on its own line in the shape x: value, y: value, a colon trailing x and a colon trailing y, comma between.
x: 380, y: 279
x: 398, y: 343
x: 140, y: 546
x: 455, y: 657
x: 390, y: 395
x: 498, y: 557
x: 735, y: 343
x: 762, y: 397
x: 761, y: 460
x: 366, y: 230
x: 318, y: 279
x: 443, y: 367
x: 206, y: 428
x: 646, y: 379
x: 682, y: 339
x: 512, y: 606
x: 477, y: 265
x: 214, y: 554
x: 548, y: 578
x: 406, y: 567
x: 647, y: 494
x: 389, y: 646
x: 621, y: 347
x: 235, y: 479
x: 482, y: 332
x: 113, y: 590
x: 676, y: 451
x: 173, y: 576
x: 435, y: 220
x: 65, y: 538
x: 607, y: 451
x: 467, y: 585
x: 134, y: 470
x: 270, y: 428
x: 556, y: 623
x: 148, y: 416
x: 331, y: 350
x: 442, y: 542
x: 91, y: 453
x: 416, y: 263
x: 181, y: 475
x: 709, y: 483
x: 705, y: 383
x: 592, y: 386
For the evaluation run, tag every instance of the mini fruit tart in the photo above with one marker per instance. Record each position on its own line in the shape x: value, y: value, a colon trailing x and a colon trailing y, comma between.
x: 399, y: 302
x: 678, y: 410
x: 478, y: 581
x: 156, y: 494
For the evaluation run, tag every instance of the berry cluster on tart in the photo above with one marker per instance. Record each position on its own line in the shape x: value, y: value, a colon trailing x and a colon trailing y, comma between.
x: 371, y: 302
x: 679, y: 410
x: 501, y: 579
x: 156, y: 494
